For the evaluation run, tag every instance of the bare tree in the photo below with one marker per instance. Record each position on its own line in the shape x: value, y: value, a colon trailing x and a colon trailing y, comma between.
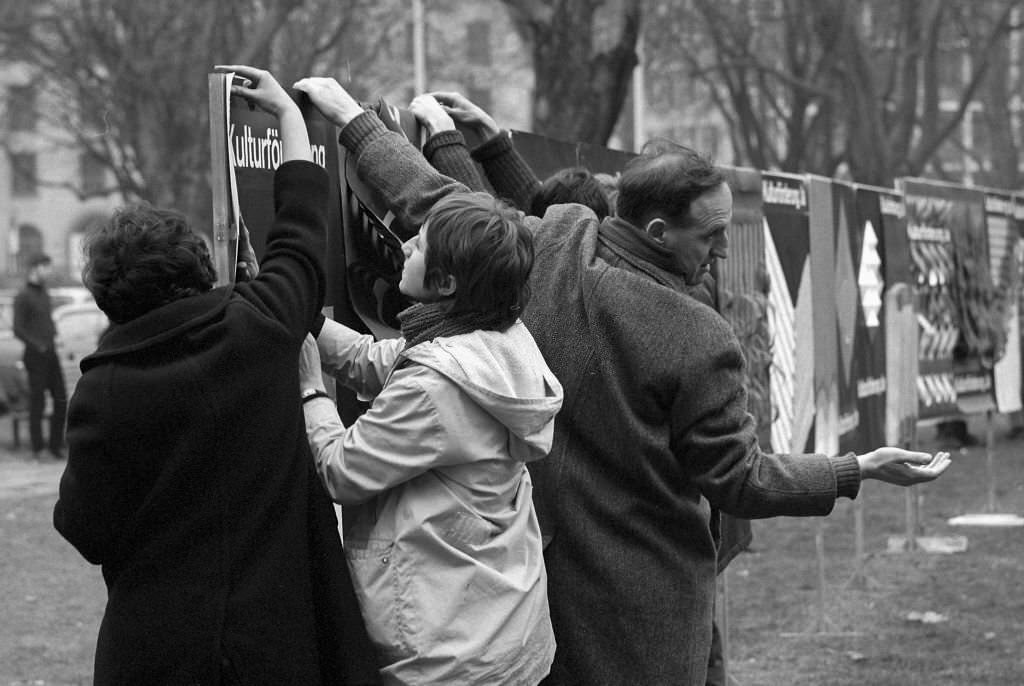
x: 584, y: 52
x: 821, y: 85
x: 125, y: 81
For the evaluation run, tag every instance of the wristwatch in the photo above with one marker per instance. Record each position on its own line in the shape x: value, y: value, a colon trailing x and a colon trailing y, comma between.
x: 310, y: 393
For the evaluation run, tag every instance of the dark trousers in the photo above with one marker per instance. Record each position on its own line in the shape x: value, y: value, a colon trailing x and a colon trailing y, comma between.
x: 45, y: 376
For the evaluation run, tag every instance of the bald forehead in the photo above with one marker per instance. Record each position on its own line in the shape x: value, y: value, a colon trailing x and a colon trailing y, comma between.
x: 713, y: 207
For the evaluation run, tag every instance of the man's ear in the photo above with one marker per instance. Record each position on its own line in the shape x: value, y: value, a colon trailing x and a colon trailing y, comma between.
x: 448, y: 287
x: 656, y: 229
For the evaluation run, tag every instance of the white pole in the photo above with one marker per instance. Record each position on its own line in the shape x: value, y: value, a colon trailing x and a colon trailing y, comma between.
x: 639, y: 97
x: 419, y: 48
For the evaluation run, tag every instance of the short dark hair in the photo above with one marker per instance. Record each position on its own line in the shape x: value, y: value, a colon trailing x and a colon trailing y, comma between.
x: 486, y: 246
x: 663, y: 181
x: 144, y: 257
x: 570, y: 185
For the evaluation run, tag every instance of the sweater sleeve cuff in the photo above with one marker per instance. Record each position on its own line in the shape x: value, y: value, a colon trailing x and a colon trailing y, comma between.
x: 847, y: 471
x: 361, y: 131
x: 493, y: 147
x: 442, y: 139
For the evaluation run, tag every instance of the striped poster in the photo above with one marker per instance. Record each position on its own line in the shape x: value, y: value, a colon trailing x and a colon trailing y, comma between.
x: 787, y: 245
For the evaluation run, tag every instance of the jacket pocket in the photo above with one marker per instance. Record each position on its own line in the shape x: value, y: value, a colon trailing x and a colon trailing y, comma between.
x: 466, y: 530
x: 381, y: 589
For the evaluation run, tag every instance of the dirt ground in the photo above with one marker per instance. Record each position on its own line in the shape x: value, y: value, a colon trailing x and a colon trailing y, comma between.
x: 887, y: 618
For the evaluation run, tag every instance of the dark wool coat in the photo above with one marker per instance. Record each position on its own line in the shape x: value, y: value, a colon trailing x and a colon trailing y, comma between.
x: 653, y: 431
x: 189, y: 479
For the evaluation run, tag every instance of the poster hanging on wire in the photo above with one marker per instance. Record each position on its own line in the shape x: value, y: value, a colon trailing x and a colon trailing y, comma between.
x: 787, y: 245
x: 1005, y: 265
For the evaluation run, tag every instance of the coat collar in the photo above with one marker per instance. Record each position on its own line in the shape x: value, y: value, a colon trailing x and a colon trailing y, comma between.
x: 163, y: 323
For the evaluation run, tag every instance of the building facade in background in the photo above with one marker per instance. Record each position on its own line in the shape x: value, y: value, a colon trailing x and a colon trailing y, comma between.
x: 42, y: 182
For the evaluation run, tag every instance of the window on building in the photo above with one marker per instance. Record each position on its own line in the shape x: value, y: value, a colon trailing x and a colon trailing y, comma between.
x: 23, y: 174
x: 21, y: 108
x: 92, y: 174
x: 478, y: 42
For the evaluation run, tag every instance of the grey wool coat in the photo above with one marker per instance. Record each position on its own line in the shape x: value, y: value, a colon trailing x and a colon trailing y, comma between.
x: 653, y: 431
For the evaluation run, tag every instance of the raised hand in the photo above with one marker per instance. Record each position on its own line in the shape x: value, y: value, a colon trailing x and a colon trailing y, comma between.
x: 464, y: 111
x: 262, y: 89
x: 430, y: 114
x: 333, y: 101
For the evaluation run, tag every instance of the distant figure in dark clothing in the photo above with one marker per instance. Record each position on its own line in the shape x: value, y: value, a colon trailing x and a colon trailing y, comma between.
x: 33, y: 325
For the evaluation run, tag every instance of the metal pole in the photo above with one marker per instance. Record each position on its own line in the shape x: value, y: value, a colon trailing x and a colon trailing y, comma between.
x: 639, y: 97
x: 419, y: 48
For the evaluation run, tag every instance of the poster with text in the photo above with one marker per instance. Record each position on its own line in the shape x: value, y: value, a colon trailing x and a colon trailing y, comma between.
x: 787, y: 246
x: 861, y: 313
x: 244, y: 185
x: 931, y: 217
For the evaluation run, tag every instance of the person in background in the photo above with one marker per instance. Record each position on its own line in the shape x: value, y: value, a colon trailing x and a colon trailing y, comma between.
x: 189, y: 478
x: 441, y: 532
x: 33, y: 325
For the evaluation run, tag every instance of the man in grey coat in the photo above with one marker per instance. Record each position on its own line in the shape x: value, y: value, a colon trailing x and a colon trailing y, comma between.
x: 654, y: 429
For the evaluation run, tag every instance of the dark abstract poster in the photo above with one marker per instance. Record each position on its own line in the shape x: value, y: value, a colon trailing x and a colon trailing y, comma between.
x: 931, y: 220
x: 787, y: 244
x: 866, y: 250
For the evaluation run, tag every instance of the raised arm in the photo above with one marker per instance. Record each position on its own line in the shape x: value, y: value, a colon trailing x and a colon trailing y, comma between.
x: 291, y: 282
x: 506, y: 170
x: 445, y: 147
x: 385, y: 160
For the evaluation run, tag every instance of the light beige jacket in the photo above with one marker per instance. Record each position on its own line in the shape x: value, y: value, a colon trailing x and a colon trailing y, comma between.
x: 440, y: 529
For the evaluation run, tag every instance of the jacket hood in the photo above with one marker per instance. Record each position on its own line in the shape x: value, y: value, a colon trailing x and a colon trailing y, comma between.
x: 506, y: 375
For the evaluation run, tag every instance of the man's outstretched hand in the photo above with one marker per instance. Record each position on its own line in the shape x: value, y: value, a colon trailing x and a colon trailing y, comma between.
x: 902, y: 467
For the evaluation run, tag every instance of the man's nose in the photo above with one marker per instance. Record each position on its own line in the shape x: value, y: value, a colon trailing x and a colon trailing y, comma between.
x: 721, y: 247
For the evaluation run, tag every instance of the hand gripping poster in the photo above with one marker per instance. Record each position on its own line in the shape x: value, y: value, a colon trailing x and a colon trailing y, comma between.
x: 1005, y: 264
x: 787, y: 258
x: 245, y: 151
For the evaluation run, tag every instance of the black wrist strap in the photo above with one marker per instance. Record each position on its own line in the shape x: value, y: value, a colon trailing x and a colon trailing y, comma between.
x: 306, y: 397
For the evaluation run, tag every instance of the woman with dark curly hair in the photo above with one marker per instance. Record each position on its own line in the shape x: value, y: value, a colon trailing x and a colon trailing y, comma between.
x: 189, y: 478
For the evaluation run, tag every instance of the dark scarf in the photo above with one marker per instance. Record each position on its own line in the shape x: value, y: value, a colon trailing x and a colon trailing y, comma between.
x: 649, y: 257
x: 636, y: 247
x: 427, y: 321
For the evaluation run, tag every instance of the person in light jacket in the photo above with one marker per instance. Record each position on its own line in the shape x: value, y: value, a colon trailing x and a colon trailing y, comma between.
x: 440, y: 531
x: 654, y: 431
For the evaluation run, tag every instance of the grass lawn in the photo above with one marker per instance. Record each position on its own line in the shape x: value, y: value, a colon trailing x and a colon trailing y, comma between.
x: 52, y: 600
x: 868, y: 634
